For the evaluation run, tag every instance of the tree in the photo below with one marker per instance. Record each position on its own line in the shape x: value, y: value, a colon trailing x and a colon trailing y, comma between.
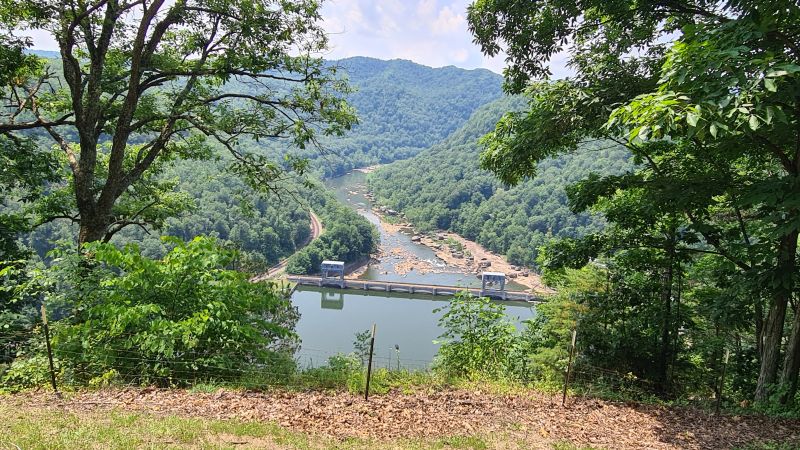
x: 25, y: 167
x: 142, y: 83
x: 174, y: 320
x: 722, y: 90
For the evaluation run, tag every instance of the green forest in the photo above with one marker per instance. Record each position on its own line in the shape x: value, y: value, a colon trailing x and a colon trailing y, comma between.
x: 170, y: 151
x: 402, y: 107
x: 445, y: 188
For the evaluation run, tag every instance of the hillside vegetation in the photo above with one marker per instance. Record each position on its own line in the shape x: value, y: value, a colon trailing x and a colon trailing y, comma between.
x: 403, y: 108
x: 444, y: 188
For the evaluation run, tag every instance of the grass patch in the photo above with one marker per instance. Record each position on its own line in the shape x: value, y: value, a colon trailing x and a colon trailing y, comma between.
x: 39, y: 428
x: 393, y: 220
x: 33, y: 428
x: 204, y: 388
x: 769, y: 446
x: 466, y: 442
x: 454, y: 244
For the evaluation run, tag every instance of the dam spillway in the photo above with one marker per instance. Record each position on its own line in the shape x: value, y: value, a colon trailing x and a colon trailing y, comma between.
x: 412, y: 288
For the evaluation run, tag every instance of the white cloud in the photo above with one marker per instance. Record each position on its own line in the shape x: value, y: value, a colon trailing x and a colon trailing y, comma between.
x: 430, y: 32
x: 448, y: 22
x: 354, y: 15
x: 426, y: 7
x: 460, y: 55
x: 494, y: 63
x: 42, y: 40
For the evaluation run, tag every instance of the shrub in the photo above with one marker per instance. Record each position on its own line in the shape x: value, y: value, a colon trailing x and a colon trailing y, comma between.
x: 478, y: 338
x: 170, y: 321
x: 27, y: 372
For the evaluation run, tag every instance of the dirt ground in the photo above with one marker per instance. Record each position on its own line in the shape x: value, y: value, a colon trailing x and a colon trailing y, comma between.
x: 536, y: 420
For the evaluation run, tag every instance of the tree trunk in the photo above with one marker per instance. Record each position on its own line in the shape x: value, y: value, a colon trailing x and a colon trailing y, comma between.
x: 92, y: 229
x: 773, y: 328
x: 759, y: 320
x: 666, y: 300
x: 791, y: 365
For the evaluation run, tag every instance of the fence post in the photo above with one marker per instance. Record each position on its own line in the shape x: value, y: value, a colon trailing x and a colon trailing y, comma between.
x: 49, y: 349
x: 369, y: 364
x: 722, y: 380
x: 569, y: 368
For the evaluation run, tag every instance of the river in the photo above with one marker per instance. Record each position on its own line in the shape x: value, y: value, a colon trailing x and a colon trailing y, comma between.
x: 407, y: 325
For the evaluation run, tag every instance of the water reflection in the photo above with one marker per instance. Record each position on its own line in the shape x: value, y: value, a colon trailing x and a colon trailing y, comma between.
x: 407, y: 321
x: 332, y: 300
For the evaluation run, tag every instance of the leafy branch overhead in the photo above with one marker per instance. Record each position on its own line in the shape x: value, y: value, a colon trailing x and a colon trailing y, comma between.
x: 141, y: 82
x: 706, y: 97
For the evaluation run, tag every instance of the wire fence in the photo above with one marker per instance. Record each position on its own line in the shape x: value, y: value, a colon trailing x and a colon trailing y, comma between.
x: 303, y: 368
x: 113, y: 362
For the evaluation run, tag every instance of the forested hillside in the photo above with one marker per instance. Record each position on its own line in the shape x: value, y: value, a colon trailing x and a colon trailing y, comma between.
x: 444, y: 188
x: 264, y: 228
x: 403, y: 108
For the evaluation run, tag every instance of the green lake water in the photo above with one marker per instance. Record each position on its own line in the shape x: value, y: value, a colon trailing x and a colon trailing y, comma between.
x: 329, y: 318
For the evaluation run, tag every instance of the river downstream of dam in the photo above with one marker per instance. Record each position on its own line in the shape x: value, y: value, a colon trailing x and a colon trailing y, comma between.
x: 407, y: 325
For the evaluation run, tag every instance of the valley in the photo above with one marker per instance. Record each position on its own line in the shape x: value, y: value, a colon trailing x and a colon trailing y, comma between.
x: 509, y: 224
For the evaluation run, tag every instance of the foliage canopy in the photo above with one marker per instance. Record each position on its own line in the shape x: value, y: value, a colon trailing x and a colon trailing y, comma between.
x: 704, y: 95
x: 141, y: 84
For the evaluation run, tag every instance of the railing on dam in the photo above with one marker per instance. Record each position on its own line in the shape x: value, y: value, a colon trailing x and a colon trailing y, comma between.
x: 411, y: 288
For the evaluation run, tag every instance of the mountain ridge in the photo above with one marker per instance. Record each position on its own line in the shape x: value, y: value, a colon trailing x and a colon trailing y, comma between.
x: 443, y: 187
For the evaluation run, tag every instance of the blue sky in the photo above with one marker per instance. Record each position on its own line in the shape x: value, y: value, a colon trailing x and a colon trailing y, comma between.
x: 429, y: 32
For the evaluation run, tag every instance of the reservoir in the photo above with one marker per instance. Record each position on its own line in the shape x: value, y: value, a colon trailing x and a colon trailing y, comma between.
x: 330, y: 318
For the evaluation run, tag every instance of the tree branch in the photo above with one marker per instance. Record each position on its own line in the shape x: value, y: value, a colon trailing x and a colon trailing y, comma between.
x: 778, y: 152
x: 74, y: 219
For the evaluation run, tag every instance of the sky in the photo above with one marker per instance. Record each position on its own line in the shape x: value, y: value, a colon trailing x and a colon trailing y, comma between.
x: 429, y: 32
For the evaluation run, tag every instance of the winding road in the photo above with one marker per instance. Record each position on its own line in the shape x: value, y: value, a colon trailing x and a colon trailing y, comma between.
x: 316, y: 231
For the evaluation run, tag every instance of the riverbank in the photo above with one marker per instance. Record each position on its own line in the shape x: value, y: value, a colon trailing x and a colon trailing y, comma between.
x: 368, y: 169
x: 405, y: 255
x: 457, y: 252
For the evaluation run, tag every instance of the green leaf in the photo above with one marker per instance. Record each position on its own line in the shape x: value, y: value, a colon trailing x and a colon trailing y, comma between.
x: 754, y: 123
x: 769, y: 115
x: 769, y: 84
x: 692, y: 119
x: 780, y: 115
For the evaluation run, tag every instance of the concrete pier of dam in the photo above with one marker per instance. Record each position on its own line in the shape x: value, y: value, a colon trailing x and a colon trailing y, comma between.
x: 412, y: 288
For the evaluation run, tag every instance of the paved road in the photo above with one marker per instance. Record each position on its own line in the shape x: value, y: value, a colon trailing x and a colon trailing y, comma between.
x: 316, y: 231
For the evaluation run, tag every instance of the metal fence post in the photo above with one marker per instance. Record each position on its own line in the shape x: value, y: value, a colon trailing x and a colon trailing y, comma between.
x: 49, y: 349
x: 722, y: 380
x: 369, y: 364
